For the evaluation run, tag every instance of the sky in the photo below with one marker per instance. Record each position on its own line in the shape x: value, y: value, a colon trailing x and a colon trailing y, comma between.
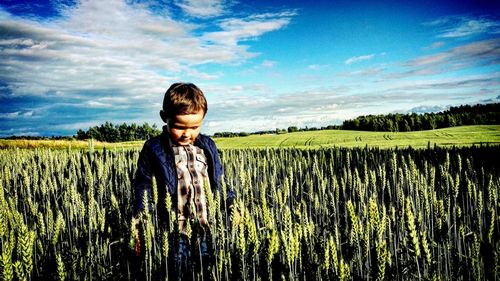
x: 67, y: 65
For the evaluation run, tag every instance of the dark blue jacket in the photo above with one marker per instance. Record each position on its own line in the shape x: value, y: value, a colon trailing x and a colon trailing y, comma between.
x: 157, y: 159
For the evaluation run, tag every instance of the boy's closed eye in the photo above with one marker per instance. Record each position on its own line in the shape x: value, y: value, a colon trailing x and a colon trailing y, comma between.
x: 180, y: 127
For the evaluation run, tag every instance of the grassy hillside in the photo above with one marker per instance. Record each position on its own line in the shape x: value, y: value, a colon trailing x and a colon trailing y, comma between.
x: 458, y: 136
x: 65, y: 144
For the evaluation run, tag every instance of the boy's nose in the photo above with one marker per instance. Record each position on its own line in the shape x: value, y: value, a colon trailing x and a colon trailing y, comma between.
x: 186, y: 133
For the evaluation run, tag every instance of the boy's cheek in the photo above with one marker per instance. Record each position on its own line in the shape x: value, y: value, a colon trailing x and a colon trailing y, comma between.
x: 174, y: 135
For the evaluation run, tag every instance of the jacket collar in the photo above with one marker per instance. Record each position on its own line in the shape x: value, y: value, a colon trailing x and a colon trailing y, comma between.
x: 166, y: 137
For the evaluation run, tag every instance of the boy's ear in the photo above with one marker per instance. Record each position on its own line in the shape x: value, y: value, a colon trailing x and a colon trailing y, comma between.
x: 163, y: 116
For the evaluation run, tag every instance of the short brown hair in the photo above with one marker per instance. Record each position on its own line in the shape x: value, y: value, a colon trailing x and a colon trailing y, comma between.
x: 184, y: 98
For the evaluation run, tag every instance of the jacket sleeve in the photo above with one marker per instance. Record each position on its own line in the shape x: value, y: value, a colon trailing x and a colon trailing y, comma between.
x: 229, y: 188
x: 143, y: 180
x: 221, y: 177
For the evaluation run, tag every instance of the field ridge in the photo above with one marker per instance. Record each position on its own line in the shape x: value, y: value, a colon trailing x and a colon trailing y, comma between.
x: 454, y: 136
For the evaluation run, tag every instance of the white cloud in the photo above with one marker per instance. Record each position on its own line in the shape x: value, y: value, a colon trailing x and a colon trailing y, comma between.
x: 471, y: 27
x: 111, y: 45
x: 97, y: 104
x: 234, y: 30
x: 212, y: 124
x: 317, y: 66
x: 352, y: 60
x: 268, y: 63
x: 16, y: 115
x: 10, y: 115
x: 371, y: 71
x: 202, y: 8
x: 479, y: 53
x: 328, y: 107
x: 434, y: 45
x: 428, y: 108
x: 202, y: 75
x: 78, y: 125
x: 19, y: 132
x: 432, y: 59
x: 462, y: 26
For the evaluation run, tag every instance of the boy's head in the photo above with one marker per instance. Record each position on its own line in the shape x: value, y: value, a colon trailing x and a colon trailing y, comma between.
x: 184, y: 107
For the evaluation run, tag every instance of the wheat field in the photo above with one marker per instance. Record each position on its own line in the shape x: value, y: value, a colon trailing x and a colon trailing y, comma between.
x: 306, y: 214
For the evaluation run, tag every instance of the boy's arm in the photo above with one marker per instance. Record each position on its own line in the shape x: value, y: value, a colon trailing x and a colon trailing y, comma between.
x: 142, y: 185
x: 143, y: 180
x: 229, y: 189
x: 220, y: 172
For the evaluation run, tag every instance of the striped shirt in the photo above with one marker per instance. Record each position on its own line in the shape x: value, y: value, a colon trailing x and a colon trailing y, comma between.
x: 193, y: 180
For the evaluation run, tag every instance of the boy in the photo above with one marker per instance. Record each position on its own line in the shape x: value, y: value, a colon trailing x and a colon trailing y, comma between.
x: 185, y: 164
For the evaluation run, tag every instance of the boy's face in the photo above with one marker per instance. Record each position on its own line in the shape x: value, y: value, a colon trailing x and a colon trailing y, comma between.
x: 184, y: 129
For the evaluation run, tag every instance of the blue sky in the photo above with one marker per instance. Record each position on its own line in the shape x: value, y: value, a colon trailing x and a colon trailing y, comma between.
x: 68, y: 65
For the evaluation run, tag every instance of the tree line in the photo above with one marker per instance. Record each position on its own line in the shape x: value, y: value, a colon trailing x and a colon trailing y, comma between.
x: 108, y: 132
x: 480, y: 114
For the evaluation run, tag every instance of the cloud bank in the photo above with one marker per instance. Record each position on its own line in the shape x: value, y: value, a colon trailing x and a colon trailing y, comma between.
x: 93, y: 62
x: 115, y: 55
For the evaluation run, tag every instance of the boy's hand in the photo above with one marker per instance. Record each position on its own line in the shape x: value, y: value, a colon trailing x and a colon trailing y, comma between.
x: 137, y: 245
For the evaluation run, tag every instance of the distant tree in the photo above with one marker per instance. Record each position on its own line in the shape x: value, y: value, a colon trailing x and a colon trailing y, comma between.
x: 403, y: 125
x: 94, y: 133
x: 148, y: 131
x: 280, y: 131
x: 108, y: 132
x: 126, y: 133
x: 134, y: 131
x: 389, y: 125
x: 333, y: 127
x: 418, y: 123
x: 225, y: 135
x: 81, y: 135
x: 450, y: 121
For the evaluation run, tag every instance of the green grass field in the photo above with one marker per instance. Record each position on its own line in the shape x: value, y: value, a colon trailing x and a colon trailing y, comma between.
x: 458, y: 136
x: 67, y: 144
